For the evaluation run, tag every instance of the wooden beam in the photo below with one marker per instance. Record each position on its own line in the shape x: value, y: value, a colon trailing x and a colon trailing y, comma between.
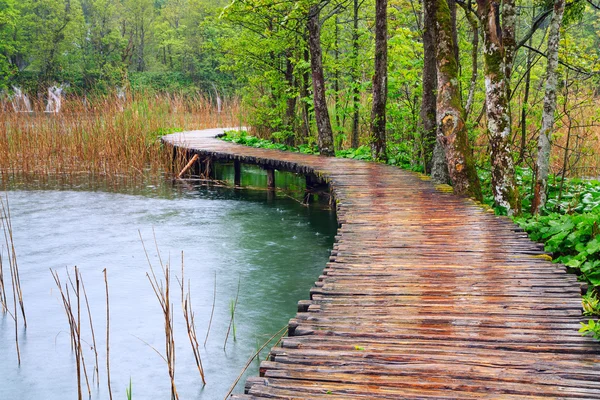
x: 237, y: 168
x: 270, y: 179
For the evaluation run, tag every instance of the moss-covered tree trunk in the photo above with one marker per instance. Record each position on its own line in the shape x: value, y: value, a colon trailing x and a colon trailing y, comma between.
x: 356, y: 75
x: 378, y: 117
x: 504, y: 187
x: 428, y: 100
x: 544, y: 139
x: 324, y: 131
x: 452, y: 132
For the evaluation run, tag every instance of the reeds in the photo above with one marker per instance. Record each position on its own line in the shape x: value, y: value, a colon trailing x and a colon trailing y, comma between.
x: 108, y: 336
x: 279, y: 334
x: 188, y: 316
x: 212, y: 312
x: 232, y: 307
x: 73, y: 312
x: 102, y: 140
x: 162, y: 292
x: 15, y: 280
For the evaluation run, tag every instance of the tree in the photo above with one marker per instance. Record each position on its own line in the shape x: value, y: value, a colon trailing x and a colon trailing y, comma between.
x: 8, y: 19
x: 544, y: 139
x: 499, y: 48
x: 324, y: 131
x: 452, y: 132
x: 356, y: 75
x: 378, y: 120
x: 428, y: 99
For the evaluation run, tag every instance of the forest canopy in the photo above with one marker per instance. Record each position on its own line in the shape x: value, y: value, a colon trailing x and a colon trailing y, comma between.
x: 495, y: 62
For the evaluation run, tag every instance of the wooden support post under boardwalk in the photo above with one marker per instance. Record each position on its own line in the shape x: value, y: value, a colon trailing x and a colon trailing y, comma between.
x: 237, y: 170
x: 207, y: 170
x: 270, y: 179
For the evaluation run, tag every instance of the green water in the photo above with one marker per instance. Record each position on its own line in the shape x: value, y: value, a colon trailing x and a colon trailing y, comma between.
x: 272, y: 245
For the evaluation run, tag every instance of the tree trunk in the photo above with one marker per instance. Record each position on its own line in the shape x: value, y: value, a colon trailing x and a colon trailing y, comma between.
x: 428, y: 108
x: 452, y: 132
x: 378, y: 117
x: 304, y: 95
x: 336, y: 78
x: 497, y: 107
x: 544, y: 140
x: 355, y: 84
x: 474, y: 56
x: 525, y: 106
x: 290, y: 113
x: 324, y: 131
x: 509, y: 24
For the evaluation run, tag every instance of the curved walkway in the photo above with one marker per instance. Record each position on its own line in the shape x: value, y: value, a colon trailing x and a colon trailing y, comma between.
x: 426, y: 295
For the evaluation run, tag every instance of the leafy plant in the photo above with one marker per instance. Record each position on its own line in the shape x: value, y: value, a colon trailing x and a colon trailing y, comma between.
x: 591, y: 328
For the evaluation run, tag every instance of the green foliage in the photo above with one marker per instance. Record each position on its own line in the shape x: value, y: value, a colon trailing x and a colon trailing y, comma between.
x: 242, y: 137
x: 572, y: 238
x: 154, y: 136
x: 591, y: 328
x: 591, y: 303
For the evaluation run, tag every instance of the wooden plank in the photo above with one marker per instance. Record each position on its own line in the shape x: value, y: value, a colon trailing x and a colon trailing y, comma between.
x: 426, y: 295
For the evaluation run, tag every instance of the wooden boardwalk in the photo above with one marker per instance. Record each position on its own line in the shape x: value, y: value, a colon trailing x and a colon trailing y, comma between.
x: 426, y: 295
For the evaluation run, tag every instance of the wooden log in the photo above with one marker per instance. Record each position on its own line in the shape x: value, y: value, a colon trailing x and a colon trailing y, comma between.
x: 188, y: 166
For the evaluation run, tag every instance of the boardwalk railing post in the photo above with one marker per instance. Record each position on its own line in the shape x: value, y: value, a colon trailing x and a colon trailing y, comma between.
x: 237, y: 168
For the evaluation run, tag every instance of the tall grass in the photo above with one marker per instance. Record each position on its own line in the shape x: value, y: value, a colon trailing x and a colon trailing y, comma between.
x: 15, y: 280
x: 103, y: 137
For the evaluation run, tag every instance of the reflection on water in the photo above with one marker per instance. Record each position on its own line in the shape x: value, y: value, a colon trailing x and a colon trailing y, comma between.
x: 276, y: 249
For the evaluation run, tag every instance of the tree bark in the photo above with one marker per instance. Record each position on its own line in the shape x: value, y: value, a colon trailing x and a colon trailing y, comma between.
x: 428, y: 100
x: 290, y: 112
x: 497, y: 107
x: 452, y: 132
x: 355, y: 84
x: 545, y: 137
x: 378, y: 116
x: 304, y: 95
x: 324, y: 131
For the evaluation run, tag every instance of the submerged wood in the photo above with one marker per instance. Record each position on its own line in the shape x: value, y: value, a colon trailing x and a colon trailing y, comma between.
x: 426, y: 295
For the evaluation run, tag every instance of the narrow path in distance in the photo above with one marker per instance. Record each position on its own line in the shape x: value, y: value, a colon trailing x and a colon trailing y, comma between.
x: 426, y: 295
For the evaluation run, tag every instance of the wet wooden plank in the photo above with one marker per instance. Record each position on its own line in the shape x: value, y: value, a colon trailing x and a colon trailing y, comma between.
x: 426, y: 295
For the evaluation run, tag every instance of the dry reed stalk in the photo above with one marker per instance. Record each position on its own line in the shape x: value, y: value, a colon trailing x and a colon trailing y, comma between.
x: 162, y: 293
x: 107, y: 336
x: 3, y: 301
x: 12, y: 256
x: 17, y: 294
x: 74, y: 321
x: 212, y: 312
x: 231, y: 321
x: 282, y: 332
x: 188, y: 315
x: 89, y: 312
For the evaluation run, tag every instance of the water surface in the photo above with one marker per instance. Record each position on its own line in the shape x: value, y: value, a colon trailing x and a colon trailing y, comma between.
x: 276, y: 249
